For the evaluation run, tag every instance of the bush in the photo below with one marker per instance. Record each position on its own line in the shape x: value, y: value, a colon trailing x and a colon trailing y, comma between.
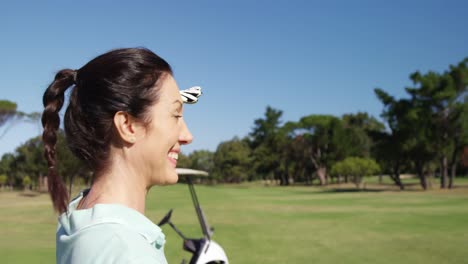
x: 357, y: 168
x: 26, y: 182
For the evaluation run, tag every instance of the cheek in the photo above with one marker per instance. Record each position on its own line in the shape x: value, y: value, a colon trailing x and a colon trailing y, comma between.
x: 172, y: 134
x: 175, y: 135
x: 165, y: 138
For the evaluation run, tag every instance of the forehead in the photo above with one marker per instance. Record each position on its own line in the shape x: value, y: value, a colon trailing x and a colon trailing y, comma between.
x: 169, y: 90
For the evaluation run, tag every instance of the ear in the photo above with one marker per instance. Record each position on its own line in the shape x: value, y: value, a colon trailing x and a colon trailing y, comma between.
x: 126, y: 127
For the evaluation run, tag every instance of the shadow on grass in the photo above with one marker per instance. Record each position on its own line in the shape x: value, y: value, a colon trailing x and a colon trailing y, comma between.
x: 351, y: 190
x: 459, y: 186
x: 29, y: 194
x: 369, y: 188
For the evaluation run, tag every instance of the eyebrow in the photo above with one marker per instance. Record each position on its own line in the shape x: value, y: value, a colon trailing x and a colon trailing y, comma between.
x: 178, y: 101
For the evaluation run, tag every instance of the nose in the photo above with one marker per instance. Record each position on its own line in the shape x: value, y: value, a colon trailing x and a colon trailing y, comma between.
x: 185, y: 136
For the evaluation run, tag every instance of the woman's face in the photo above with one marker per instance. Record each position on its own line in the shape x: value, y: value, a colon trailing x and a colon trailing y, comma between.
x: 160, y: 144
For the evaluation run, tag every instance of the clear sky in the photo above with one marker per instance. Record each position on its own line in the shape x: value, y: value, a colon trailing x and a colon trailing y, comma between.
x: 302, y: 57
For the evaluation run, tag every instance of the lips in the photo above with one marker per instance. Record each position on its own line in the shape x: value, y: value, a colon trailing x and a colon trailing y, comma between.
x: 173, y: 157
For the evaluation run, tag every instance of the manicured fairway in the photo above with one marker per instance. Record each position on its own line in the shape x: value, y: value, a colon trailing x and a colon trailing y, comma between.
x: 257, y: 224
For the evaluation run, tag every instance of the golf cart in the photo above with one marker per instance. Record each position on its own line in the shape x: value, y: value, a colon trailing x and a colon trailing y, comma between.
x: 204, y: 250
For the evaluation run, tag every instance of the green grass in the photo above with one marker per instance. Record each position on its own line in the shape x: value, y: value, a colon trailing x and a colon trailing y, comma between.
x: 258, y: 224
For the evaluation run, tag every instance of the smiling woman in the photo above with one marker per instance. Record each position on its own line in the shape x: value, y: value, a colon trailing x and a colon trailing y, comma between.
x: 125, y: 121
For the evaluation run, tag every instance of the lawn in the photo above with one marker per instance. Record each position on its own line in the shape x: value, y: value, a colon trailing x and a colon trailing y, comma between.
x: 257, y: 224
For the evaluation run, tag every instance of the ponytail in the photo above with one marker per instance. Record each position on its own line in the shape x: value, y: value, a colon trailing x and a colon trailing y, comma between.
x: 53, y: 101
x: 119, y: 80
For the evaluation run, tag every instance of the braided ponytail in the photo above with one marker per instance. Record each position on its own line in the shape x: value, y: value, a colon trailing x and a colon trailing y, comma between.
x: 53, y: 101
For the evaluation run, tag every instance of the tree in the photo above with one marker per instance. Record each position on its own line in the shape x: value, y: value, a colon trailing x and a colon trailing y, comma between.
x: 184, y: 161
x: 265, y: 128
x: 293, y: 164
x: 354, y: 138
x: 363, y: 121
x: 202, y: 160
x: 264, y: 141
x: 358, y: 131
x: 3, y: 180
x: 28, y: 160
x: 459, y: 75
x: 5, y: 167
x: 232, y: 162
x: 440, y: 97
x: 464, y: 157
x: 9, y: 115
x: 317, y: 133
x: 431, y: 125
x: 198, y: 160
x: 409, y: 136
x: 295, y: 160
x: 316, y: 142
x: 390, y: 154
x: 7, y: 111
x: 5, y: 163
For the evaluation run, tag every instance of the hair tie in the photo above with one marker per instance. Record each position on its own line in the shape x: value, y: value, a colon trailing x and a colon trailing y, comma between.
x: 190, y: 95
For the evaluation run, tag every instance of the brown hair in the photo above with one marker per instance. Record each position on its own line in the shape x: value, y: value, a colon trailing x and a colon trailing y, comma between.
x: 119, y: 80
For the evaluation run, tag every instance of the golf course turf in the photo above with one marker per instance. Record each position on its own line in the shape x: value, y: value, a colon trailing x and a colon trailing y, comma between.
x: 257, y: 224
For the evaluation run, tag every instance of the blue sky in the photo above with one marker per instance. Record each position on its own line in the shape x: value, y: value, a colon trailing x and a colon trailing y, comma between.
x: 303, y: 57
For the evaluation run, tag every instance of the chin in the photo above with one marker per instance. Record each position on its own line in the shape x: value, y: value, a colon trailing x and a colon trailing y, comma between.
x: 171, y: 178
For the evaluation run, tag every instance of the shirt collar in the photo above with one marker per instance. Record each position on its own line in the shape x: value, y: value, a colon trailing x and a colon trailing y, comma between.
x: 75, y: 220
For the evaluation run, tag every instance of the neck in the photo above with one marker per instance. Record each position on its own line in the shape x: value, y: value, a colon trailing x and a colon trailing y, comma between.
x: 119, y: 184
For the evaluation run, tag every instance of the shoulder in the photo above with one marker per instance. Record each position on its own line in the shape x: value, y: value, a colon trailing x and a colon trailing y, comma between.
x: 108, y: 233
x: 112, y: 243
x: 132, y: 247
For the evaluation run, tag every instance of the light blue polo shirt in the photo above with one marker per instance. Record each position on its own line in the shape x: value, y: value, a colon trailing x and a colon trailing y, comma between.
x: 108, y: 233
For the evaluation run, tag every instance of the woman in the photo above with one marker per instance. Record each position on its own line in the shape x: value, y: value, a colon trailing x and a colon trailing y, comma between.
x: 124, y: 119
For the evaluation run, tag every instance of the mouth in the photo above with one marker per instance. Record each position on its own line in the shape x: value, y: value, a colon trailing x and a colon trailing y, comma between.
x: 173, y: 156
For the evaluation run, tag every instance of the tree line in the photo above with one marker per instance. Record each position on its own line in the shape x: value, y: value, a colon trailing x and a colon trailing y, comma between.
x: 425, y: 133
